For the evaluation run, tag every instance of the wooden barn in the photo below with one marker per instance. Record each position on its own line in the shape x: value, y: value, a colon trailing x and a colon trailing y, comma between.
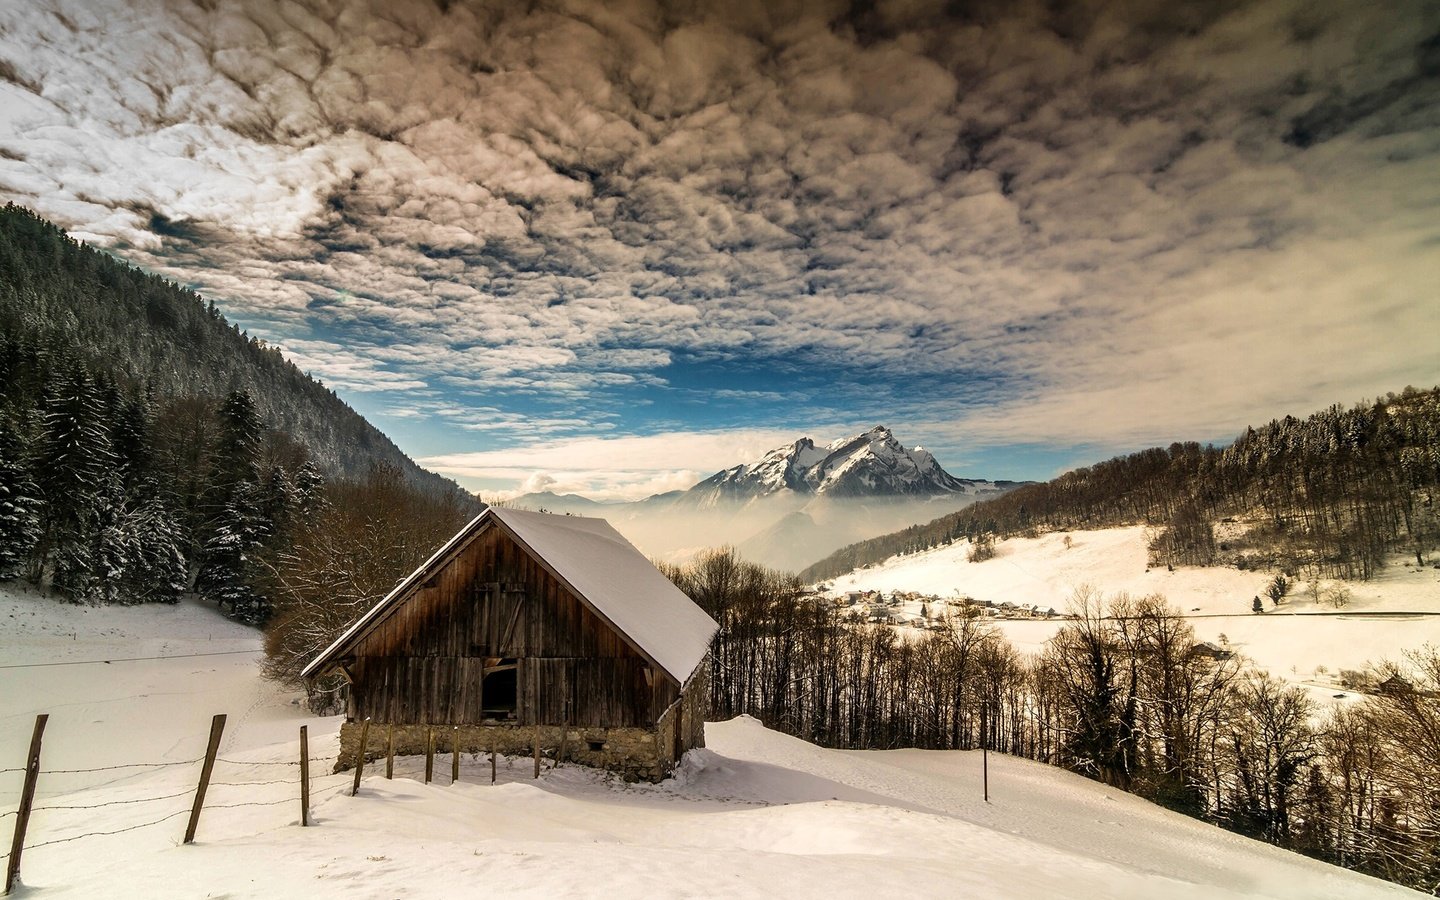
x: 528, y: 626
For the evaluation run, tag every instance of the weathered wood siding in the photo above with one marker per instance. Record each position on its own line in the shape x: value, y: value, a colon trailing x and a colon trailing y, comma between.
x: 422, y: 663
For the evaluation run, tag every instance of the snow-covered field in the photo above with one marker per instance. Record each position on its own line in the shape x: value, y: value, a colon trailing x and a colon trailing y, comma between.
x: 756, y: 814
x: 1300, y: 640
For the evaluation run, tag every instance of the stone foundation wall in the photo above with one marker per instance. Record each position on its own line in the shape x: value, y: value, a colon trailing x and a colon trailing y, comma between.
x: 695, y: 703
x: 638, y: 754
x: 691, y: 712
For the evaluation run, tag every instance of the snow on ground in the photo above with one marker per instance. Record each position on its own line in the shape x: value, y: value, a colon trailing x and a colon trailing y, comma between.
x: 1300, y: 640
x: 84, y: 666
x: 757, y: 814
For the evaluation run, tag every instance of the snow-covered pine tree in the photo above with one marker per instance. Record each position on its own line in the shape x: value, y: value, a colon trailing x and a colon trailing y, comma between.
x: 237, y: 522
x: 75, y: 457
x: 158, y: 573
x: 129, y: 422
x: 280, y: 499
x: 309, y: 489
x: 115, y: 547
x: 71, y: 567
x: 237, y: 449
x: 19, y: 500
x: 229, y: 574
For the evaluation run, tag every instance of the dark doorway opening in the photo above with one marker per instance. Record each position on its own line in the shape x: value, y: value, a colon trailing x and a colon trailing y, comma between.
x: 501, y: 689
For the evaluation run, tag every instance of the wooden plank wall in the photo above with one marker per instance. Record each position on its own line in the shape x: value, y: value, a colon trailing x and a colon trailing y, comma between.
x: 422, y: 664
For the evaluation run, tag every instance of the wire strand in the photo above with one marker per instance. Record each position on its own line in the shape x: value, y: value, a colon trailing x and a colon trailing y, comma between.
x: 183, y: 793
x: 163, y: 765
x: 293, y: 762
x: 104, y: 833
x: 97, y: 662
x: 249, y: 803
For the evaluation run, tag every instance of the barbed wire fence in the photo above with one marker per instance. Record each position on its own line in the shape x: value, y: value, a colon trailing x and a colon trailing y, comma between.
x: 232, y: 777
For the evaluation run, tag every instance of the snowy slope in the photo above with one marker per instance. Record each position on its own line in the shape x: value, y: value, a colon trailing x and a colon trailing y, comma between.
x: 127, y: 709
x: 758, y: 814
x: 1400, y: 610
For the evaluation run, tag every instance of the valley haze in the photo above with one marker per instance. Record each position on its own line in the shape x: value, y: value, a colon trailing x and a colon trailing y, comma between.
x: 791, y: 507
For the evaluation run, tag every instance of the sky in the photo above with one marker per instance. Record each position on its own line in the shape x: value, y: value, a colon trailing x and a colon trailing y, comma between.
x: 614, y: 247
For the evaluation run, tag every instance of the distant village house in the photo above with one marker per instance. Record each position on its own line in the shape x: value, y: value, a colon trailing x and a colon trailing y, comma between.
x: 1210, y: 650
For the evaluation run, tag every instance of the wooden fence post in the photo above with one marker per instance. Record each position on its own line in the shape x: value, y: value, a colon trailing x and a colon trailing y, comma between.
x: 360, y: 755
x: 429, y: 754
x: 537, y: 751
x: 217, y: 728
x: 492, y: 758
x: 454, y: 755
x: 304, y: 776
x: 27, y: 799
x: 390, y: 750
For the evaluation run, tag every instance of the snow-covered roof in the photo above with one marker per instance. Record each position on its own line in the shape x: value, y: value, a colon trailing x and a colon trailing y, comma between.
x: 599, y: 566
x: 621, y: 584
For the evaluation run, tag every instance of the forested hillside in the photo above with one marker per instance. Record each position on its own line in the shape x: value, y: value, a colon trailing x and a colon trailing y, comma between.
x: 1330, y: 494
x: 60, y: 299
x: 147, y: 447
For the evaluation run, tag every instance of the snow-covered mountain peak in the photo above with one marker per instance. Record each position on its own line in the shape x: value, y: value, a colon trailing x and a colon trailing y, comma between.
x: 871, y: 464
x: 879, y: 435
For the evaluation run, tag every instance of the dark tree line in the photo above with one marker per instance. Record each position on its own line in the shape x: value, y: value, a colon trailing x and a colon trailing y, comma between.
x: 111, y: 495
x: 1119, y: 694
x: 1332, y: 495
x: 148, y: 447
x: 63, y: 297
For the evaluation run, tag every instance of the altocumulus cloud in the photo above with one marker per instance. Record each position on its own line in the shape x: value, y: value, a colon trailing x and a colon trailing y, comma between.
x: 1085, y: 222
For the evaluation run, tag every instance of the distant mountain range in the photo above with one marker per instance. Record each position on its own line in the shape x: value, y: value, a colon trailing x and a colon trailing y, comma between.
x: 792, y: 506
x: 873, y: 464
x: 869, y: 465
x: 549, y: 501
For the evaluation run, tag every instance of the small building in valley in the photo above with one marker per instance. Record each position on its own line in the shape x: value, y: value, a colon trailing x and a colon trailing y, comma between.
x: 1210, y: 650
x: 528, y: 626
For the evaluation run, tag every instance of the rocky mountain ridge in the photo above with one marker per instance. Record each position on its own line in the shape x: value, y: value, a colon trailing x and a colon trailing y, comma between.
x: 872, y: 464
x: 791, y: 506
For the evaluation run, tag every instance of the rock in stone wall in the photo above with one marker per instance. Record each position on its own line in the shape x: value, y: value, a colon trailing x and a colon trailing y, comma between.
x: 695, y: 700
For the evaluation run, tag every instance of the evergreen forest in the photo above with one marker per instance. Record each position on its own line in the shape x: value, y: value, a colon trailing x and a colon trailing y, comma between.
x: 148, y: 447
